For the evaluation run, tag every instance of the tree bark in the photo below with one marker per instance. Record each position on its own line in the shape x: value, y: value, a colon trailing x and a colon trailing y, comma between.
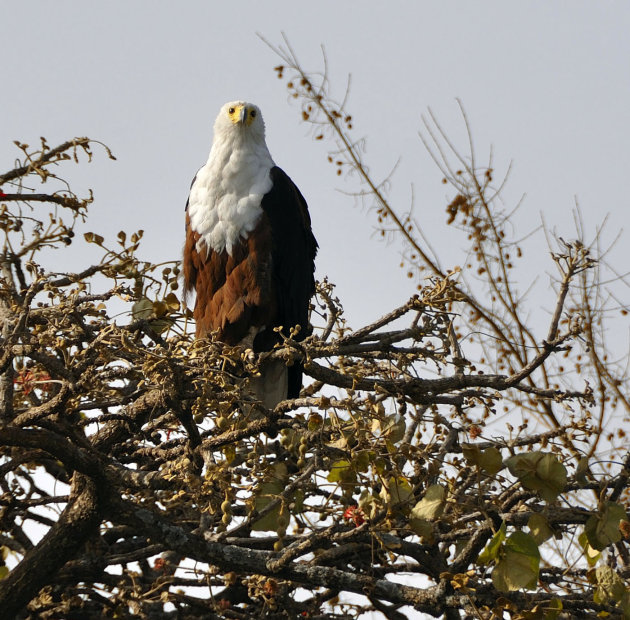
x: 76, y: 524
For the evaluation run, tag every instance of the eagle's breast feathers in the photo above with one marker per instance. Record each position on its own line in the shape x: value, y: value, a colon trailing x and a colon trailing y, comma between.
x: 225, y: 197
x: 234, y: 288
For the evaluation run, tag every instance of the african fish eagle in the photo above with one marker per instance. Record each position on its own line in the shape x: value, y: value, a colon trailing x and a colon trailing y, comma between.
x: 249, y: 251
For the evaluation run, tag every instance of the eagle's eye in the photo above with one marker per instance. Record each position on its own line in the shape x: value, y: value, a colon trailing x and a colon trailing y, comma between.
x: 231, y: 111
x: 253, y: 113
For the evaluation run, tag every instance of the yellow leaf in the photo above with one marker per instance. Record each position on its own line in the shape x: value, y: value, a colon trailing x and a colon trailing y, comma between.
x: 609, y: 585
x: 172, y: 302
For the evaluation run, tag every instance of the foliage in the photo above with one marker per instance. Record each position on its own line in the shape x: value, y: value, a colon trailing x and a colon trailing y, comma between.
x: 140, y: 479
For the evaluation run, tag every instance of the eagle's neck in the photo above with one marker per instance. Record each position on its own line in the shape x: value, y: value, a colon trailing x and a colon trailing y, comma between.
x: 224, y: 204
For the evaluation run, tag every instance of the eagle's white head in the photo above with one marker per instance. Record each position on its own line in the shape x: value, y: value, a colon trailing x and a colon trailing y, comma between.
x: 225, y: 198
x: 239, y: 121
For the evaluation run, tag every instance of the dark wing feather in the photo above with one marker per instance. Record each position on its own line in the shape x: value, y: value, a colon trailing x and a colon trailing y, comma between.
x: 293, y: 260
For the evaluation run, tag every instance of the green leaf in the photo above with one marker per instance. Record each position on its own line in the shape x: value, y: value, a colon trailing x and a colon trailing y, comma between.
x: 539, y: 528
x: 369, y: 504
x: 492, y: 548
x: 460, y: 545
x: 159, y: 326
x: 362, y: 460
x: 380, y: 465
x: 517, y: 567
x: 602, y: 529
x: 488, y: 460
x: 391, y: 428
x: 4, y: 571
x: 491, y: 461
x: 298, y: 501
x: 425, y: 529
x: 142, y: 309
x: 471, y: 453
x: 553, y: 609
x: 548, y: 610
x: 582, y: 471
x: 342, y: 472
x: 266, y: 493
x: 394, y: 428
x: 521, y: 542
x: 539, y: 471
x: 431, y: 506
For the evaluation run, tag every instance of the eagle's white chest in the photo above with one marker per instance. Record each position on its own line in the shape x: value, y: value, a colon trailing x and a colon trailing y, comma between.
x: 225, y: 199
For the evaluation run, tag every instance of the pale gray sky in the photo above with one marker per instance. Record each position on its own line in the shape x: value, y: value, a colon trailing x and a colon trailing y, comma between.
x: 546, y: 83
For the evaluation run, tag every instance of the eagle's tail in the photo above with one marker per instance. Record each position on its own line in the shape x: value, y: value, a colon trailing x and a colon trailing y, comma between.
x: 272, y: 385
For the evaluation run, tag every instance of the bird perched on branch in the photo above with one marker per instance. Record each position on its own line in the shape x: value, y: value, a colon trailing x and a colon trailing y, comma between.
x: 249, y: 251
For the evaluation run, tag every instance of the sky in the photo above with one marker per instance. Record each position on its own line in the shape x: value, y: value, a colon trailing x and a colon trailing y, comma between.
x: 545, y: 84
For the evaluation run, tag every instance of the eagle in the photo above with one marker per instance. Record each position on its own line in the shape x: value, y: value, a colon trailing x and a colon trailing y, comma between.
x: 249, y: 252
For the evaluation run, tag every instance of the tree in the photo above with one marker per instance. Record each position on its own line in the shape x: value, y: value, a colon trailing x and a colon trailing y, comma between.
x: 139, y: 479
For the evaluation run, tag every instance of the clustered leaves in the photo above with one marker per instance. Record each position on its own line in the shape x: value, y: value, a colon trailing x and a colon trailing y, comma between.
x: 140, y: 478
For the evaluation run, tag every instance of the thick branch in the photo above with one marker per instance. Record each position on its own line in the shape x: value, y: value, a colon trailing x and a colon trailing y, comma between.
x: 64, y: 540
